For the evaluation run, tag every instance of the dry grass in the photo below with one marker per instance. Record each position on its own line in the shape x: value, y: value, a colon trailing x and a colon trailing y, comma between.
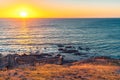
x: 84, y: 71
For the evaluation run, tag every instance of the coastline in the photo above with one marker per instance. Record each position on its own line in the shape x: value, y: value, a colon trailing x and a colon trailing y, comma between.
x: 67, y: 54
x: 50, y: 66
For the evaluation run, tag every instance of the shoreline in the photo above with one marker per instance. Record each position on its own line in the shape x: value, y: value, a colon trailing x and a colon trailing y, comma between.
x: 59, y: 66
x: 12, y: 61
x: 66, y: 54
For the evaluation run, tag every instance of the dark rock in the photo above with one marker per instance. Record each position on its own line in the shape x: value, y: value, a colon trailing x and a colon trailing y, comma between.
x: 102, y: 57
x: 70, y: 51
x: 24, y: 54
x: 87, y: 49
x: 58, y: 55
x: 69, y: 47
x: 37, y: 52
x: 61, y: 49
x: 77, y: 53
x: 80, y: 48
x: 60, y: 45
x: 45, y: 55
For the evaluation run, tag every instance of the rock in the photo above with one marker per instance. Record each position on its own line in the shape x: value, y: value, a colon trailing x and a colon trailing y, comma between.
x: 103, y: 57
x: 70, y: 47
x: 58, y: 55
x: 77, y: 53
x: 60, y: 45
x: 45, y: 55
x: 87, y: 49
x: 61, y: 49
x: 80, y: 48
x: 71, y: 51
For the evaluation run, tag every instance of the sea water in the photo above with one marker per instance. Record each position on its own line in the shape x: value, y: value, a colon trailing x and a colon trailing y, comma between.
x: 101, y: 35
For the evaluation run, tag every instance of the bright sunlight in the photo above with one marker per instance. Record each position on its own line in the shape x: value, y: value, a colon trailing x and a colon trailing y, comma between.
x: 23, y: 14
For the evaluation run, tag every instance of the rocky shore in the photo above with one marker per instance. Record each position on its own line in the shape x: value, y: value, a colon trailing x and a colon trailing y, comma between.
x: 70, y: 63
x: 65, y: 54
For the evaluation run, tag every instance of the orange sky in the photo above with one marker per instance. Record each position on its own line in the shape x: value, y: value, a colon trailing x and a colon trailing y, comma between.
x: 60, y: 8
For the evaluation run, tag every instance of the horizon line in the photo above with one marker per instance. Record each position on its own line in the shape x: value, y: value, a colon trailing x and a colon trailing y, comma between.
x: 65, y: 18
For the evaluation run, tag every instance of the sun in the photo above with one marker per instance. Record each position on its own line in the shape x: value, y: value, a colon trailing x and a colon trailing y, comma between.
x: 23, y: 14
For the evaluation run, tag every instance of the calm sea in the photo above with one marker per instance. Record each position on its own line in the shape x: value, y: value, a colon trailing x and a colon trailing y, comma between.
x: 102, y: 36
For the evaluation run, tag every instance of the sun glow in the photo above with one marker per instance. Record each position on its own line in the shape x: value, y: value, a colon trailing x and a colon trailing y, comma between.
x: 23, y: 11
x: 23, y: 14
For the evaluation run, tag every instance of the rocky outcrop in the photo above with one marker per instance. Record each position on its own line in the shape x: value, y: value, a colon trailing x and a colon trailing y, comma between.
x: 11, y: 61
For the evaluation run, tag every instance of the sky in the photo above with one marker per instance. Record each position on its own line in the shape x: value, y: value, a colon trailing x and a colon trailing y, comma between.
x: 60, y: 8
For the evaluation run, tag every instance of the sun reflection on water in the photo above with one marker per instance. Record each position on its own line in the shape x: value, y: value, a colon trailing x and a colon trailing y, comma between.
x: 24, y: 34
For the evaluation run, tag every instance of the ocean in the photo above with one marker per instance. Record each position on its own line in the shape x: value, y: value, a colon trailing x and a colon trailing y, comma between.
x: 101, y: 35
